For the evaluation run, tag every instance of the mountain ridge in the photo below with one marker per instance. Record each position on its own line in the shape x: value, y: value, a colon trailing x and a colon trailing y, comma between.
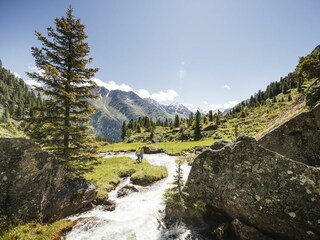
x: 113, y: 107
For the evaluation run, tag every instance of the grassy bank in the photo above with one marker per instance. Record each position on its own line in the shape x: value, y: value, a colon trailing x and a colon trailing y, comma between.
x: 106, y: 175
x: 37, y: 231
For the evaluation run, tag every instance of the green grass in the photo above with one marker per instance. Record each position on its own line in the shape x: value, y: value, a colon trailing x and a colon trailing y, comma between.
x: 122, y: 147
x: 37, y: 231
x: 174, y: 148
x: 147, y: 174
x: 177, y: 148
x: 106, y: 175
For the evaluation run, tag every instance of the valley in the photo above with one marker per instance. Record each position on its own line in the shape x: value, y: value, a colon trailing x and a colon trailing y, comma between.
x: 198, y: 137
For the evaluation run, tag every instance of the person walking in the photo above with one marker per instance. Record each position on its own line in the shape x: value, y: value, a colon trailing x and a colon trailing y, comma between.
x: 138, y: 154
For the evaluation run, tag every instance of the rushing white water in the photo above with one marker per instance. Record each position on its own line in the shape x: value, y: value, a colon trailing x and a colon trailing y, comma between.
x: 137, y: 216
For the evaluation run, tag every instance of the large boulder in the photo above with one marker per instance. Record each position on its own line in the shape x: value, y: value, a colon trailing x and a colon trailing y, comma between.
x: 211, y: 127
x: 152, y: 149
x: 298, y: 138
x: 34, y: 186
x: 242, y: 180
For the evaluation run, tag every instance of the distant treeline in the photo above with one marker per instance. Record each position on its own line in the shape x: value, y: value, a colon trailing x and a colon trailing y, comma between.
x: 16, y: 99
x: 283, y: 86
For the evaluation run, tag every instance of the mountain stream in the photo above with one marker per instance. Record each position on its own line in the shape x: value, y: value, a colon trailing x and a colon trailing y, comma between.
x: 137, y: 215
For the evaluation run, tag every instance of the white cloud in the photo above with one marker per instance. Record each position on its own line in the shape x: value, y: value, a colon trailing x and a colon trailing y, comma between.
x: 163, y: 96
x: 226, y: 86
x: 143, y: 93
x: 205, y: 102
x: 16, y: 75
x: 113, y: 85
x: 226, y: 105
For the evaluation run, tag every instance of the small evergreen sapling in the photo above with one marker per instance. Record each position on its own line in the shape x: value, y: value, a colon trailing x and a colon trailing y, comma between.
x: 178, y: 178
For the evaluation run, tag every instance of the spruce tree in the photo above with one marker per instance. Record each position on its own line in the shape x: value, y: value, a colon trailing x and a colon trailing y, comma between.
x: 210, y: 115
x: 62, y: 124
x: 309, y: 69
x: 123, y: 130
x: 197, y: 130
x: 138, y: 128
x: 205, y: 120
x: 176, y: 121
x: 236, y: 131
x: 299, y: 86
x: 284, y: 88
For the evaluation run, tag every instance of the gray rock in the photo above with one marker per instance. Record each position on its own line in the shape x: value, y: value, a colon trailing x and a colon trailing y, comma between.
x: 218, y: 145
x: 198, y: 149
x: 127, y: 189
x: 243, y: 180
x: 298, y: 138
x: 211, y: 127
x: 152, y: 149
x: 241, y: 231
x: 109, y: 205
x: 34, y: 186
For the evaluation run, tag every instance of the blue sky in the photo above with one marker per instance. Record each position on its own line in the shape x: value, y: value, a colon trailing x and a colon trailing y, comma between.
x: 203, y: 52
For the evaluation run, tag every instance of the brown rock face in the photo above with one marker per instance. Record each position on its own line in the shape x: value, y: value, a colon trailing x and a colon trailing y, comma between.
x: 298, y: 139
x: 35, y: 186
x: 264, y: 190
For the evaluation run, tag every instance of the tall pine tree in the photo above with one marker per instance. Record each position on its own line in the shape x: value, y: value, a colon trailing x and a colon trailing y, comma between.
x: 176, y: 121
x: 62, y: 124
x: 210, y: 115
x: 123, y: 131
x: 197, y: 127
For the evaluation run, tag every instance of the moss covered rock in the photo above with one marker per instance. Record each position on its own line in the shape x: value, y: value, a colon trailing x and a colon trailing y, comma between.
x: 34, y: 186
x: 242, y: 180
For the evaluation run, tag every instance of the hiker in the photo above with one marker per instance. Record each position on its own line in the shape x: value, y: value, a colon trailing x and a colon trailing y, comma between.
x: 141, y: 154
x: 138, y: 154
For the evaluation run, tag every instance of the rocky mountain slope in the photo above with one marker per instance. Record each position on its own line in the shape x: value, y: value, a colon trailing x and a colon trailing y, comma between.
x: 114, y: 107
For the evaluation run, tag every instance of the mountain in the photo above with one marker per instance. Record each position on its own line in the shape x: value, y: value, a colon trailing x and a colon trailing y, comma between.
x: 183, y: 110
x: 194, y: 108
x: 116, y: 106
x: 177, y: 109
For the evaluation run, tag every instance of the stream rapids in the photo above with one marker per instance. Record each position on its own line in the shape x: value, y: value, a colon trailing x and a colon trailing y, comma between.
x: 137, y: 216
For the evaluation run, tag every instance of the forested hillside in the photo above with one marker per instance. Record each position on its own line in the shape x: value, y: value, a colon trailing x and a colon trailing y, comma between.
x: 264, y: 110
x: 16, y: 102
